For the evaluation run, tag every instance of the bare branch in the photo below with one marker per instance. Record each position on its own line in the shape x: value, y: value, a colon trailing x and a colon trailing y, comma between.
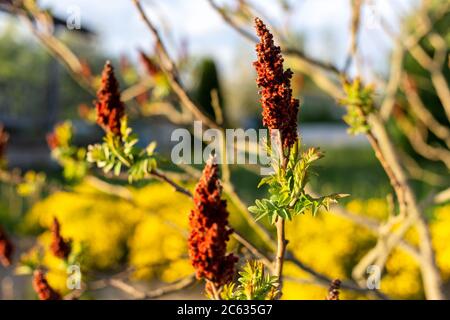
x: 288, y: 50
x: 170, y: 70
x: 163, y: 177
x: 423, y: 114
x: 321, y: 278
x: 151, y: 294
x: 394, y: 81
x: 354, y: 30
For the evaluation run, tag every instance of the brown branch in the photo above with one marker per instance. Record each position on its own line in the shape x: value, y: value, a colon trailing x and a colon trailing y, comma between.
x: 280, y: 253
x: 418, y: 142
x: 443, y: 196
x: 109, y: 188
x: 388, y: 157
x: 257, y: 253
x: 232, y: 23
x: 324, y: 280
x: 258, y: 228
x: 163, y: 177
x: 395, y: 76
x: 423, y: 114
x: 393, y: 178
x: 168, y: 66
x: 168, y: 111
x: 151, y: 294
x: 385, y: 244
x: 325, y: 66
x: 55, y: 47
x: 368, y: 223
x: 354, y: 30
x: 416, y: 172
x: 433, y: 65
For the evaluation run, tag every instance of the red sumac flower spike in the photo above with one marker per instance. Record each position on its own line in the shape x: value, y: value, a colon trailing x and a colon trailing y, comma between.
x: 150, y: 66
x: 110, y: 108
x: 59, y: 247
x: 52, y: 140
x: 280, y: 109
x: 42, y: 288
x: 209, y: 230
x: 6, y: 249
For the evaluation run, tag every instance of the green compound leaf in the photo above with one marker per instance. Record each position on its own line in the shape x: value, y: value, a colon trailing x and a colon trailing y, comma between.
x: 287, y: 195
x: 359, y: 103
x: 119, y: 152
x: 254, y: 283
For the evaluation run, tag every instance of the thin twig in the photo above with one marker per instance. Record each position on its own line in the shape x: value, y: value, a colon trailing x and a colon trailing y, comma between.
x: 151, y: 294
x: 257, y: 253
x: 163, y: 177
x: 323, y: 279
x: 280, y: 254
x: 170, y: 70
x: 354, y: 30
x: 325, y: 66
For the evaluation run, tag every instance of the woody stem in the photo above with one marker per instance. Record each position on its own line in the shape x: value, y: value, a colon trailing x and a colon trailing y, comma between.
x: 281, y: 234
x: 215, y: 291
x: 281, y: 249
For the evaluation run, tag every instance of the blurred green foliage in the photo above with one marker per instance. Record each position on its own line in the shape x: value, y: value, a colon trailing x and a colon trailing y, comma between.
x: 25, y: 71
x: 207, y: 81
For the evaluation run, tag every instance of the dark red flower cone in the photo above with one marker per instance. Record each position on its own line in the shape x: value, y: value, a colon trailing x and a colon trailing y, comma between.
x: 209, y: 230
x: 280, y: 109
x: 42, y: 288
x: 59, y: 247
x: 110, y: 108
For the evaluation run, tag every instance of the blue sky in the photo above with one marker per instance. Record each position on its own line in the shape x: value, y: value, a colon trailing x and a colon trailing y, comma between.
x: 122, y: 32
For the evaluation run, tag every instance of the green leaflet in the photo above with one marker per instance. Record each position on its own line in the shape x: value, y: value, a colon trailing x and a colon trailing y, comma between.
x: 254, y: 283
x: 359, y: 102
x: 287, y: 196
x: 70, y: 157
x: 116, y: 153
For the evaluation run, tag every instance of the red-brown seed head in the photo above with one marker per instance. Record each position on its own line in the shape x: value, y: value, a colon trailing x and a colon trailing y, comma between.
x: 42, y: 288
x: 6, y: 249
x: 59, y: 247
x: 280, y: 109
x: 209, y: 230
x: 110, y: 108
x: 52, y: 141
x: 150, y: 66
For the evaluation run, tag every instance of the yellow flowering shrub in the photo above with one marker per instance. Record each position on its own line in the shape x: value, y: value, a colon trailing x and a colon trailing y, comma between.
x: 159, y: 241
x: 102, y: 222
x: 440, y: 230
x: 333, y: 245
x: 150, y: 233
x: 328, y: 243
